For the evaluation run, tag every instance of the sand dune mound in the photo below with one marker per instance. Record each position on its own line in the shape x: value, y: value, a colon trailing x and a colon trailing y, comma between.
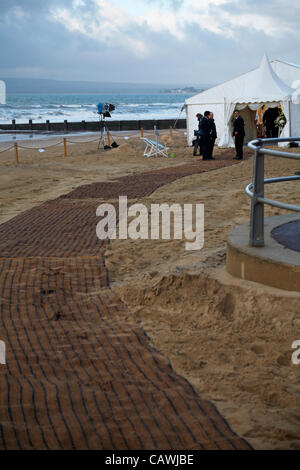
x: 234, y: 345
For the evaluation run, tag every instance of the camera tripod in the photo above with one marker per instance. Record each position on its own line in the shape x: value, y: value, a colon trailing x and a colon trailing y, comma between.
x: 103, y: 134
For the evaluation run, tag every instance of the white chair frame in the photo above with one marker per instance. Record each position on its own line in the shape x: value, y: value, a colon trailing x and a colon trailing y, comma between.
x: 154, y: 148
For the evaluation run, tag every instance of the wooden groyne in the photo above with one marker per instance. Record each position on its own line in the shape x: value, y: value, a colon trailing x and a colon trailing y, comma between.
x: 92, y: 126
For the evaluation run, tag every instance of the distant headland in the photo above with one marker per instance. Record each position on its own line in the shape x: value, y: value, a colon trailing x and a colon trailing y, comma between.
x: 35, y: 85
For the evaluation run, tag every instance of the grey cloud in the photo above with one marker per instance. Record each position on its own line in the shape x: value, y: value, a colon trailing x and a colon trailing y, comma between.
x: 173, y: 4
x: 283, y: 11
x: 38, y: 46
x: 31, y: 6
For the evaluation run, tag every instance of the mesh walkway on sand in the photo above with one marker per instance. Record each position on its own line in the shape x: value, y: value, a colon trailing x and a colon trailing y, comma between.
x: 80, y: 374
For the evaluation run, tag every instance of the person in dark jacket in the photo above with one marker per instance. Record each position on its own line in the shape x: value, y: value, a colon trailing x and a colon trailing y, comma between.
x: 238, y: 134
x: 213, y: 135
x: 270, y: 115
x: 205, y: 129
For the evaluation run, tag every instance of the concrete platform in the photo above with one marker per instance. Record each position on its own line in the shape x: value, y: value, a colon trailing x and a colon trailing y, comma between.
x: 275, y: 264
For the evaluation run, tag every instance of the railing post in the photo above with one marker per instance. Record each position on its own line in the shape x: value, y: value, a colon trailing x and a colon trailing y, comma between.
x: 65, y: 147
x: 257, y: 208
x: 16, y: 153
x: 108, y: 138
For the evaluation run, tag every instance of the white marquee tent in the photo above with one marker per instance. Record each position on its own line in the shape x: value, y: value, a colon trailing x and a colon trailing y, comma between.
x: 2, y: 92
x: 269, y: 84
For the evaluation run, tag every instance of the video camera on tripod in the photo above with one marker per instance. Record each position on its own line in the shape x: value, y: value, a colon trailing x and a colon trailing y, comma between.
x: 104, y: 109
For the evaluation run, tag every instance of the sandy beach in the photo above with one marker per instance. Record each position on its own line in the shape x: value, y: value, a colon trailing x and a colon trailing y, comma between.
x: 231, y: 339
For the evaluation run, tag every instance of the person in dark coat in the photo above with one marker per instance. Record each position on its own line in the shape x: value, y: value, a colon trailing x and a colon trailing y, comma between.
x: 238, y: 134
x: 198, y: 138
x: 205, y: 129
x: 270, y: 115
x: 213, y: 135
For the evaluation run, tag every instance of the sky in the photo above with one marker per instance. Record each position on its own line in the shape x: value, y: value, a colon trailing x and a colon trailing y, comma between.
x: 188, y: 42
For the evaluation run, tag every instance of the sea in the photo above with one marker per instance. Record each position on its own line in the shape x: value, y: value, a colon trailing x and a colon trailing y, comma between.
x: 78, y: 107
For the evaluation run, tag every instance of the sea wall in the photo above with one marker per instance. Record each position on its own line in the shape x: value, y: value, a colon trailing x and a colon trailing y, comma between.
x: 66, y: 126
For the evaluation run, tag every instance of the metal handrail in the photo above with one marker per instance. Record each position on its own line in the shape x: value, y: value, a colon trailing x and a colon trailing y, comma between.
x: 257, y: 195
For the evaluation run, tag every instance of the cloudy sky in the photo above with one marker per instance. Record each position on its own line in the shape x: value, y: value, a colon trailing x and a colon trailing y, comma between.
x: 145, y: 41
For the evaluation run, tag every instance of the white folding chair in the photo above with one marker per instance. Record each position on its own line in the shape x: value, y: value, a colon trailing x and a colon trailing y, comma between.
x: 154, y: 148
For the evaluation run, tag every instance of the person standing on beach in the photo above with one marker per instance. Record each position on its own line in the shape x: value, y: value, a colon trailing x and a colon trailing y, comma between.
x: 205, y: 129
x: 213, y: 135
x: 269, y: 118
x: 238, y: 134
x: 198, y: 138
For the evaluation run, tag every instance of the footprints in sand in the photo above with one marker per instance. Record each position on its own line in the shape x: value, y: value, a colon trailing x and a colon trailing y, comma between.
x: 258, y: 349
x: 227, y: 306
x: 284, y: 360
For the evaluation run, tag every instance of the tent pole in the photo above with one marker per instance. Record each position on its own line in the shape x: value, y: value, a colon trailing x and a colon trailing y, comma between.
x: 290, y: 120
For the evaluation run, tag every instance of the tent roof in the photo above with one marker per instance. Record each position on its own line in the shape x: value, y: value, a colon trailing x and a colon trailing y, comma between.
x: 259, y: 85
x: 287, y: 71
x: 287, y: 63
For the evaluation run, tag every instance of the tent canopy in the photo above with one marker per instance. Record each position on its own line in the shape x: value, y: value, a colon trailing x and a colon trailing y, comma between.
x: 264, y: 86
x: 288, y: 72
x: 259, y: 85
x: 252, y: 89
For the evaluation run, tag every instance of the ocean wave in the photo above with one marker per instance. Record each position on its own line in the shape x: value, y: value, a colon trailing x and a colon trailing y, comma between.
x: 78, y: 108
x: 71, y: 106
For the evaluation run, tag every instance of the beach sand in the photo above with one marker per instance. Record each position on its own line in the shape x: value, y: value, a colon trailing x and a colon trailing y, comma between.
x: 231, y: 339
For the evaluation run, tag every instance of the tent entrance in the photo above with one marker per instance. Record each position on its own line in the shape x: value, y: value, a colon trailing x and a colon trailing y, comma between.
x: 249, y: 117
x: 255, y: 125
